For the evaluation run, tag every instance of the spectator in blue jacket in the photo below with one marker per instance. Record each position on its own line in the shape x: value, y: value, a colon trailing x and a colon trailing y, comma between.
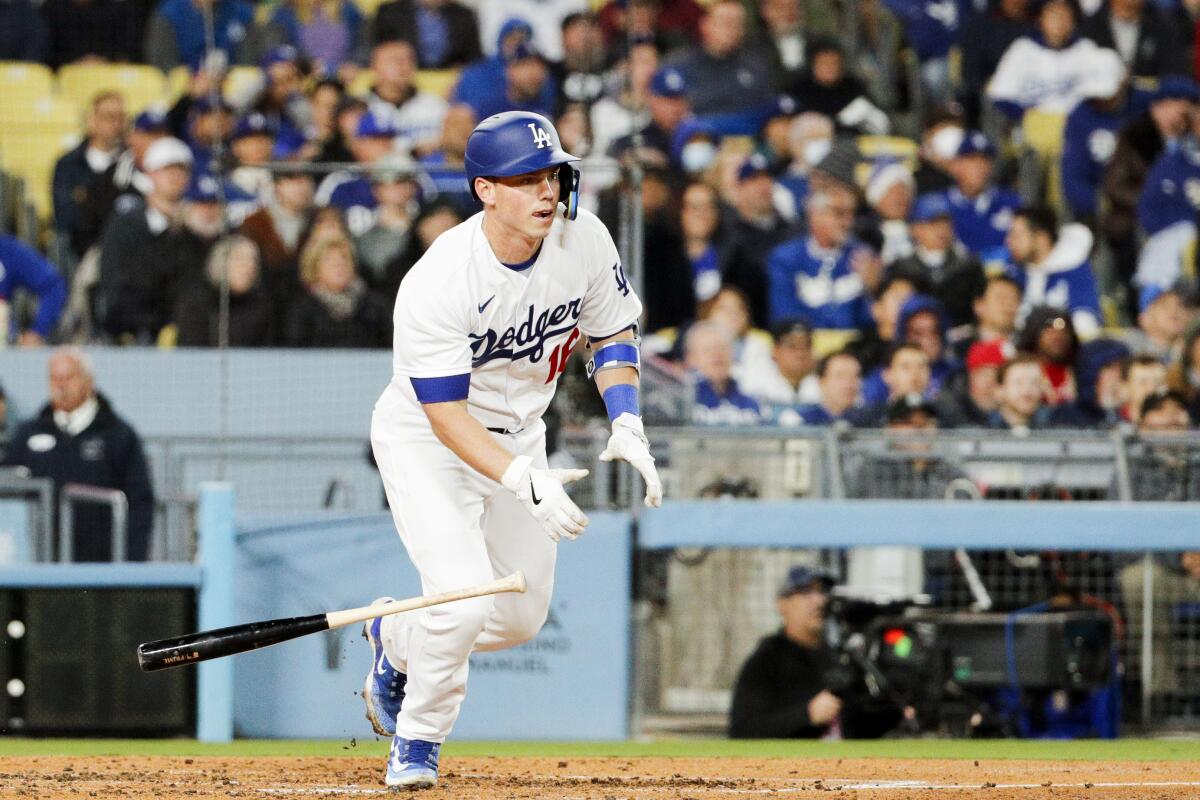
x: 906, y: 372
x: 528, y: 86
x: 24, y: 269
x: 708, y: 353
x: 484, y: 83
x: 1053, y: 268
x: 1098, y: 386
x: 981, y: 211
x: 816, y: 278
x: 931, y: 28
x: 1090, y: 134
x: 175, y: 33
x: 923, y: 322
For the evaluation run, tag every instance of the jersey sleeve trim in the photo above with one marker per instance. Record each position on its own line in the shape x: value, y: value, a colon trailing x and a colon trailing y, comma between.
x: 631, y: 326
x: 445, y: 389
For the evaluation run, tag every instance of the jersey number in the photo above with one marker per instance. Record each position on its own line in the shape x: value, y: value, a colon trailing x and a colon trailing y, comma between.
x: 540, y: 137
x: 558, y: 358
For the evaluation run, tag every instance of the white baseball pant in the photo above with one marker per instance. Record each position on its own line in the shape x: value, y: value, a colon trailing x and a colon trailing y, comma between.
x: 460, y: 529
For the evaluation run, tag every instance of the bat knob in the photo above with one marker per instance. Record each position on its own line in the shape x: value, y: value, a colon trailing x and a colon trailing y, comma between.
x: 519, y: 581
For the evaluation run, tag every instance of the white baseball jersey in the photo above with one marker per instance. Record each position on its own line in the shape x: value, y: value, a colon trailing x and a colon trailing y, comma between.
x: 460, y: 311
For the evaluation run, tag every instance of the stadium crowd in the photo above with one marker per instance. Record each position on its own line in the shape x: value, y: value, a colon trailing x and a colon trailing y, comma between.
x: 990, y: 205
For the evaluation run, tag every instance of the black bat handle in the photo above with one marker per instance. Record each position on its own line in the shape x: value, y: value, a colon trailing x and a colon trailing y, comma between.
x: 202, y: 646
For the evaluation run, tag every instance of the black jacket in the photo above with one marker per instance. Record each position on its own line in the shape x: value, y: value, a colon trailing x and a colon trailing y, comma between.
x: 108, y: 453
x: 141, y: 274
x: 197, y: 317
x: 744, y: 260
x: 956, y: 284
x: 774, y: 688
x: 72, y: 178
x: 311, y: 325
x: 1163, y: 43
x: 398, y: 20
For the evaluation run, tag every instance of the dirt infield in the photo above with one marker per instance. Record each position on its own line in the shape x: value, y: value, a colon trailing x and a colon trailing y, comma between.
x: 601, y: 778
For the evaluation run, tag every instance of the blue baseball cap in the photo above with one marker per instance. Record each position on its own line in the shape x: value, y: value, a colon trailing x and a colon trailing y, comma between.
x: 802, y: 577
x: 975, y: 143
x: 372, y: 124
x: 1150, y: 294
x: 1176, y: 87
x: 150, y: 121
x: 284, y: 53
x: 202, y: 190
x: 756, y: 164
x: 668, y: 82
x: 254, y: 124
x: 929, y: 206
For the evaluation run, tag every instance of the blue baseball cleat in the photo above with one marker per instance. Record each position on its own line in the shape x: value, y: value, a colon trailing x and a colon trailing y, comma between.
x: 412, y: 764
x: 383, y: 690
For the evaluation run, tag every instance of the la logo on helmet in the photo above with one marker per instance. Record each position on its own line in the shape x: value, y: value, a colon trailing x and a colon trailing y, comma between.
x: 540, y: 137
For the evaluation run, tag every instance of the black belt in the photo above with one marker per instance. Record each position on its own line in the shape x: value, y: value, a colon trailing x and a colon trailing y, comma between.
x: 506, y: 431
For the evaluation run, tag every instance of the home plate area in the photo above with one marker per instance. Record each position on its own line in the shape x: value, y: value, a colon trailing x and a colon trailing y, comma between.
x: 601, y: 778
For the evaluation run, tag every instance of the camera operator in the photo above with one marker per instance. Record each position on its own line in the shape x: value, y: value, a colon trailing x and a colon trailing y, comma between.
x: 780, y: 691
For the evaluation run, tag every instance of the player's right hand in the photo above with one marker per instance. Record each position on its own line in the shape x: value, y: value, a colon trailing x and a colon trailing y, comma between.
x: 541, y: 491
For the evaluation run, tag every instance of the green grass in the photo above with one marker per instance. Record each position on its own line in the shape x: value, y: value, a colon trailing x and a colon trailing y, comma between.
x: 1122, y: 750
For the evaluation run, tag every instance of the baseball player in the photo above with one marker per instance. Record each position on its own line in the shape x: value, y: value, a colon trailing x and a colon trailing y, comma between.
x: 485, y: 322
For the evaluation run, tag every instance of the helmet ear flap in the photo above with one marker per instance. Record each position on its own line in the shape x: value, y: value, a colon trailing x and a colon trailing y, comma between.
x: 568, y: 190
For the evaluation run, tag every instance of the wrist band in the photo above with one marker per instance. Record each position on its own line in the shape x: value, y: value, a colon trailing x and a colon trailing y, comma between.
x: 622, y: 399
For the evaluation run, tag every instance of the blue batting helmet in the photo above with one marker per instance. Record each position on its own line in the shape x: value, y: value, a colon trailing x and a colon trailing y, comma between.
x: 517, y: 142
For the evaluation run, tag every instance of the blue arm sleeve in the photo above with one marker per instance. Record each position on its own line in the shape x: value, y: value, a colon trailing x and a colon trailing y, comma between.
x: 30, y: 271
x: 446, y: 389
x: 1083, y: 290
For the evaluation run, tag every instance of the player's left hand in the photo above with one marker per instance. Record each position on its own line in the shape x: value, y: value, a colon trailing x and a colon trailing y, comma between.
x: 628, y: 443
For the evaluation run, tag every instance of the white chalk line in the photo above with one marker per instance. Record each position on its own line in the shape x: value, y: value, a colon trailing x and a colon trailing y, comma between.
x: 829, y: 784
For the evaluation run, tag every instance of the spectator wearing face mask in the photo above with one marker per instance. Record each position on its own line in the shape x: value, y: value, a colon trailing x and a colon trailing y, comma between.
x: 889, y: 193
x: 938, y: 266
x: 810, y: 138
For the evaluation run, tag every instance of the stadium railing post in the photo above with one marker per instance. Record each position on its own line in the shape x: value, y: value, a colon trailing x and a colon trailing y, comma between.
x: 215, y: 552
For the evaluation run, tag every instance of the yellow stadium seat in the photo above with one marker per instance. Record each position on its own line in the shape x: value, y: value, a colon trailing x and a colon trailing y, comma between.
x: 49, y: 114
x: 831, y: 340
x: 1042, y: 132
x: 369, y: 7
x: 877, y: 147
x: 31, y: 155
x: 22, y: 83
x: 240, y: 84
x: 437, y: 81
x: 178, y: 81
x: 141, y: 85
x: 361, y: 85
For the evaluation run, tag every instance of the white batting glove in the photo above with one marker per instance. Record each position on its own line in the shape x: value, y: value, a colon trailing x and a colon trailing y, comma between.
x: 541, y: 491
x: 628, y: 443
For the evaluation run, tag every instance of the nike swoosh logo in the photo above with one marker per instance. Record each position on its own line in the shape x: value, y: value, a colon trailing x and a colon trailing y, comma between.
x: 533, y: 491
x: 379, y: 668
x: 486, y: 303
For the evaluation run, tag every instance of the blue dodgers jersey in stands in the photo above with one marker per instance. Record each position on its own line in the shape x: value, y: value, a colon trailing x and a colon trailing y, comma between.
x: 815, y: 285
x: 981, y: 224
x: 1171, y: 193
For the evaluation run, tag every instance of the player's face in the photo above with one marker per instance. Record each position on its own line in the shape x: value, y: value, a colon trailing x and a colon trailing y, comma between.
x: 524, y: 204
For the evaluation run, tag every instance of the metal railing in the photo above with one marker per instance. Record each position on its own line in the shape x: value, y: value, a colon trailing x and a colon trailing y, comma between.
x: 118, y: 507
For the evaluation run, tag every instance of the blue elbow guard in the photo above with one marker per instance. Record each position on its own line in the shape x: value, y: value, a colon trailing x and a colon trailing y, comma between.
x: 626, y: 353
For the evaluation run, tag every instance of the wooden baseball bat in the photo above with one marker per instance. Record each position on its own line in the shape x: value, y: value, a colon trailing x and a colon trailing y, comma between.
x: 205, y: 645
